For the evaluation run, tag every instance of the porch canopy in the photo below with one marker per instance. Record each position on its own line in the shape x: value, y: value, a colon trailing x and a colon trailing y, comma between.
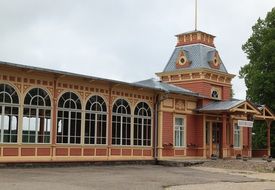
x: 245, y: 107
x: 239, y: 106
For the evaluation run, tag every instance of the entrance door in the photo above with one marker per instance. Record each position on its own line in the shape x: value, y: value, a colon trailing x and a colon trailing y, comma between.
x: 216, y: 139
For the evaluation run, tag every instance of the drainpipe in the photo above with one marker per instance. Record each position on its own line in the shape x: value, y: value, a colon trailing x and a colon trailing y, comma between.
x: 156, y: 128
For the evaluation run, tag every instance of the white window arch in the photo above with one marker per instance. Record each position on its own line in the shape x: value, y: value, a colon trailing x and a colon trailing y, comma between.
x: 37, y: 117
x: 142, y: 125
x: 96, y: 121
x: 69, y: 119
x: 121, y: 123
x: 9, y: 107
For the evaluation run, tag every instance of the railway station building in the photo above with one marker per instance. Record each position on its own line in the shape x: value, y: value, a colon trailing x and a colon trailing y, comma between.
x: 56, y: 116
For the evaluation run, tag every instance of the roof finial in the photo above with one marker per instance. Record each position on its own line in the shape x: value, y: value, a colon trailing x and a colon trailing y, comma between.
x: 196, y: 15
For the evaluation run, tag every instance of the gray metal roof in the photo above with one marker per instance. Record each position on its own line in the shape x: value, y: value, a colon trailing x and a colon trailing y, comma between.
x: 65, y: 73
x: 221, y: 106
x: 169, y: 88
x: 149, y: 84
x: 198, y: 54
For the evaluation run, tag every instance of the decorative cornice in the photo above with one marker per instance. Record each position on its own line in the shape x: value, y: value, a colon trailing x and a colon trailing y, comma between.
x: 196, y: 75
x: 201, y: 70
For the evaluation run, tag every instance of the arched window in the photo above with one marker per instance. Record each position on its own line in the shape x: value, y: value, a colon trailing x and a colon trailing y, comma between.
x: 121, y: 123
x: 8, y: 114
x: 69, y: 119
x: 142, y: 125
x: 37, y: 117
x: 96, y: 121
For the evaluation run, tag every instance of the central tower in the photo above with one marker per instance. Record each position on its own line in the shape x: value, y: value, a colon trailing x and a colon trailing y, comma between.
x: 196, y: 65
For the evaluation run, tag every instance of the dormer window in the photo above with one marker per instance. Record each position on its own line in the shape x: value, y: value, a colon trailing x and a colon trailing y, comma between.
x: 182, y: 61
x: 215, y: 62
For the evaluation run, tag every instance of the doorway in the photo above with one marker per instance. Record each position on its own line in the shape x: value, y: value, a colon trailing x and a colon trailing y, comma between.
x: 213, y: 137
x: 216, y: 139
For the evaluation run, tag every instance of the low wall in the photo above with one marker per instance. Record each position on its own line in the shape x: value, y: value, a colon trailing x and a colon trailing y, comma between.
x: 259, y: 153
x: 66, y: 153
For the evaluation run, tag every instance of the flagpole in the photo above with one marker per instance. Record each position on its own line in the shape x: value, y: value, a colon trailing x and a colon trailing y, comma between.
x: 196, y: 14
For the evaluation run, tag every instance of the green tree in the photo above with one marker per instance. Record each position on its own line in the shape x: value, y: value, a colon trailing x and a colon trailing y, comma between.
x: 259, y: 140
x: 259, y: 73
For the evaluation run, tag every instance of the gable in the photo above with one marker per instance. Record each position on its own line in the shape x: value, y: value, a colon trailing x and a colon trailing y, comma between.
x: 266, y: 113
x: 245, y: 107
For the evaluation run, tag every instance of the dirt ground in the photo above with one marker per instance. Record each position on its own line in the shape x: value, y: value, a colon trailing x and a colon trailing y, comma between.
x: 113, y: 177
x: 137, y: 177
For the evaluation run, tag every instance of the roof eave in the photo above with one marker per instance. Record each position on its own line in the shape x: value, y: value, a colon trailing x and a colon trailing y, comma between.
x: 212, y: 111
x: 180, y: 71
x: 65, y: 73
x: 194, y: 31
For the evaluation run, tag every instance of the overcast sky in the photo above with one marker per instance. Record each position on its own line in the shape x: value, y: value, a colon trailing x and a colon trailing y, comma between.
x: 127, y: 40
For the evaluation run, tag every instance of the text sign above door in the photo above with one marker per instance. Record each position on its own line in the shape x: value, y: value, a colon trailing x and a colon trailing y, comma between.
x: 243, y: 123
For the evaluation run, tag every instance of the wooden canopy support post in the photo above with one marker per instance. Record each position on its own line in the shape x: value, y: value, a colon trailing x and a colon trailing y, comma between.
x: 268, y: 137
x: 224, y: 145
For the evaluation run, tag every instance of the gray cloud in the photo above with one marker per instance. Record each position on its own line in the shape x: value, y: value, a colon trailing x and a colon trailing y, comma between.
x: 127, y: 40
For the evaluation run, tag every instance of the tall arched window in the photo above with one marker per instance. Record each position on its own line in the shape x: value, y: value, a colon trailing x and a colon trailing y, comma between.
x: 69, y: 119
x: 142, y: 125
x: 9, y: 104
x: 37, y: 117
x: 96, y: 121
x: 121, y: 123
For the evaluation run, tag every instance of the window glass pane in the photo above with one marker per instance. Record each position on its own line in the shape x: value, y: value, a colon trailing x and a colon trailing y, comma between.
x: 1, y: 97
x: 236, y: 136
x: 207, y: 130
x: 179, y: 121
x: 179, y: 131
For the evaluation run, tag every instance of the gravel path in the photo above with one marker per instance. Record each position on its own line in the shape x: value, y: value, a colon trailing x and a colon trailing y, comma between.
x: 228, y: 186
x: 263, y: 181
x: 250, y: 165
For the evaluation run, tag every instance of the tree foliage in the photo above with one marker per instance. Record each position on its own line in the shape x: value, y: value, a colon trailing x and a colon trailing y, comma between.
x: 259, y: 73
x: 259, y: 141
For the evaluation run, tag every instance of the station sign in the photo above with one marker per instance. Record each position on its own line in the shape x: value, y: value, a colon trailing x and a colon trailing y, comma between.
x: 244, y: 123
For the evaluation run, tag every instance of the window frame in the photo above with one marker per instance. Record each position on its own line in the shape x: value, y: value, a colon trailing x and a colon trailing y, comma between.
x: 11, y: 105
x: 37, y: 109
x: 184, y: 131
x: 97, y: 114
x: 239, y: 130
x: 70, y: 111
x: 143, y: 118
x: 122, y: 116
